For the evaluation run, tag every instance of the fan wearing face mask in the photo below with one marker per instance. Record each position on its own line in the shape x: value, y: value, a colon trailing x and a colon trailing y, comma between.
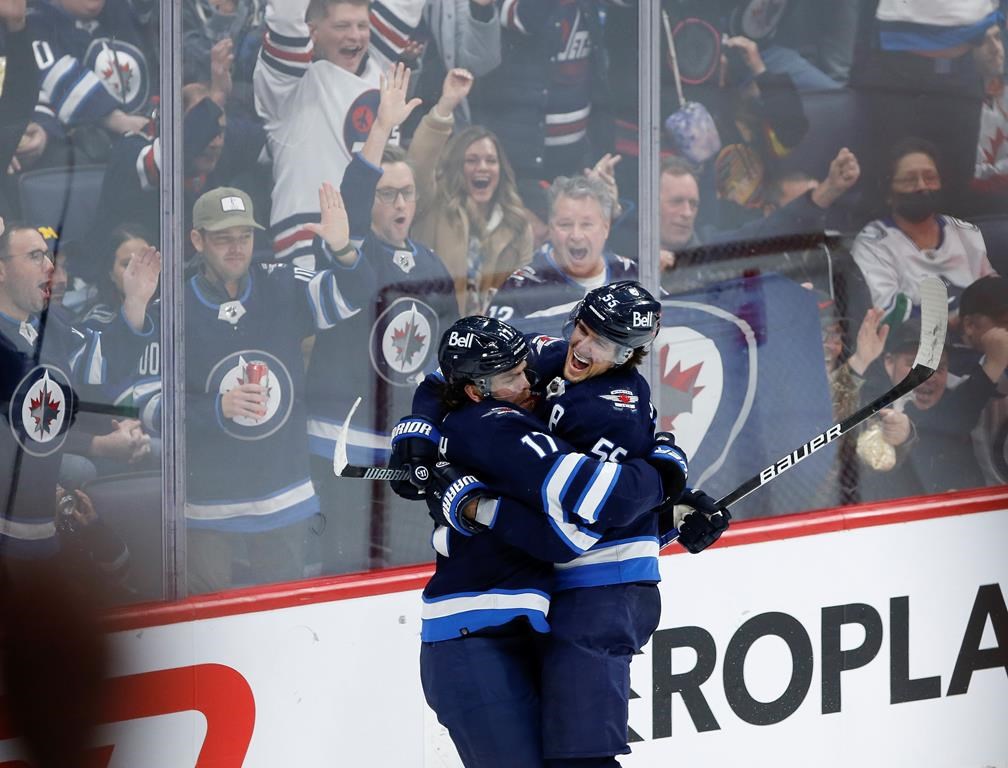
x: 915, y: 239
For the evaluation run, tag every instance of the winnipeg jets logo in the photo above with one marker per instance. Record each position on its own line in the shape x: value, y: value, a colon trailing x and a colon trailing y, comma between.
x: 402, y: 341
x: 622, y: 399
x: 254, y: 366
x: 40, y: 410
x: 122, y: 69
x: 43, y: 410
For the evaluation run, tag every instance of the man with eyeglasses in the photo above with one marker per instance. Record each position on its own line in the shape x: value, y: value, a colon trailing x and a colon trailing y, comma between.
x: 48, y: 370
x: 383, y: 352
x: 916, y: 240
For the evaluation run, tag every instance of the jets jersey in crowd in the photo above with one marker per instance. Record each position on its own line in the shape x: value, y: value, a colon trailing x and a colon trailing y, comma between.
x: 316, y: 113
x: 540, y: 295
x: 138, y: 382
x: 89, y: 68
x: 46, y: 371
x: 482, y: 581
x: 252, y: 474
x: 893, y: 264
x: 383, y: 351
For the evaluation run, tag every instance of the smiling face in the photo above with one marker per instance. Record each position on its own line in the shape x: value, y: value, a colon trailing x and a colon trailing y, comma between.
x: 481, y: 171
x: 25, y: 275
x: 227, y: 254
x: 679, y: 201
x: 589, y: 355
x: 578, y: 231
x: 341, y: 35
x: 395, y: 204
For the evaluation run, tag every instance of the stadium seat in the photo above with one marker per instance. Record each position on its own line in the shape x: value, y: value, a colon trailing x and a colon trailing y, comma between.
x: 63, y: 198
x: 130, y: 504
x: 995, y: 233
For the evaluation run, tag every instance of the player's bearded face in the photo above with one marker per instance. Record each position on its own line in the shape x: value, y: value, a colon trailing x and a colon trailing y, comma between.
x: 26, y: 274
x: 342, y: 35
x: 588, y: 354
x: 512, y: 386
x: 578, y: 231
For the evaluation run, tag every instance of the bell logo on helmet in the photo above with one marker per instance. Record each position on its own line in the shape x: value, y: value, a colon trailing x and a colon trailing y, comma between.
x: 456, y: 339
x: 643, y: 319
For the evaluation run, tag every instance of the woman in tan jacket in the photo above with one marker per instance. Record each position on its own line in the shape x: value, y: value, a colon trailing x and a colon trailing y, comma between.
x: 468, y: 208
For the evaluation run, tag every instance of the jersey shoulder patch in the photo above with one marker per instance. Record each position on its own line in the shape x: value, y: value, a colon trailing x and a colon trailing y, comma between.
x: 621, y: 399
x: 501, y: 410
x: 874, y: 230
x: 542, y: 341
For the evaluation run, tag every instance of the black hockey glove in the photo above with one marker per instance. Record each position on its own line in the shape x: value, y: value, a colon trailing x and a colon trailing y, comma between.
x: 449, y: 490
x: 671, y: 464
x: 414, y: 447
x: 700, y: 521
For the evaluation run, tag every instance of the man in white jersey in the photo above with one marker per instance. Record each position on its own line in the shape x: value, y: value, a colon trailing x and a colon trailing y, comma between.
x: 316, y: 87
x: 914, y: 241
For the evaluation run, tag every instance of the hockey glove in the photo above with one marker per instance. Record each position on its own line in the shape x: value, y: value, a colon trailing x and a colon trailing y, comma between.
x: 414, y: 447
x: 702, y: 522
x: 670, y: 462
x: 449, y: 490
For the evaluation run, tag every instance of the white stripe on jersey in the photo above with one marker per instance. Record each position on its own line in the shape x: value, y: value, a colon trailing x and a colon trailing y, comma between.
x: 77, y: 94
x: 597, y: 491
x: 619, y: 552
x: 315, y: 289
x: 556, y: 484
x: 439, y: 540
x: 940, y: 13
x: 435, y: 608
x: 560, y: 118
x: 260, y: 507
x: 27, y: 531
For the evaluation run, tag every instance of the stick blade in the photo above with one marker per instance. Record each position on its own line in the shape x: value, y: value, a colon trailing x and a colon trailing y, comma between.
x: 934, y: 322
x: 339, y: 459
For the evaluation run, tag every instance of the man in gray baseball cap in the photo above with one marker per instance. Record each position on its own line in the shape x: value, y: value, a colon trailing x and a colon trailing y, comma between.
x: 222, y: 234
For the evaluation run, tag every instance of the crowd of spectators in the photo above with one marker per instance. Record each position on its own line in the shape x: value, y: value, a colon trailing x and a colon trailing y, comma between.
x: 487, y: 151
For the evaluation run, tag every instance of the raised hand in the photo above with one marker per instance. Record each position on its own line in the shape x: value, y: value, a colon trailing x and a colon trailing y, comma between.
x: 871, y: 339
x: 334, y: 227
x: 221, y: 61
x: 139, y: 282
x: 605, y: 171
x: 844, y: 172
x: 393, y: 108
x: 457, y: 84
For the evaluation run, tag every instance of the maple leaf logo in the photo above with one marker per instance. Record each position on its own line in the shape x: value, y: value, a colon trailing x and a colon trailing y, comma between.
x: 44, y: 409
x: 682, y: 383
x: 997, y: 141
x: 408, y: 341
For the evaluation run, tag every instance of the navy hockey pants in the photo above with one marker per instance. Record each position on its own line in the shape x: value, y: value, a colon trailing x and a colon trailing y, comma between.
x: 586, y: 669
x: 484, y: 689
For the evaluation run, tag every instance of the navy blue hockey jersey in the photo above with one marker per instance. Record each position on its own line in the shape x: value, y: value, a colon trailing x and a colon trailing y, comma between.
x: 539, y: 296
x: 47, y: 371
x: 245, y: 474
x: 384, y: 351
x: 89, y: 68
x: 482, y: 580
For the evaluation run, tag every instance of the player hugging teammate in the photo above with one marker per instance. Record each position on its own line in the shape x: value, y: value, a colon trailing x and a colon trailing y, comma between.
x: 552, y: 499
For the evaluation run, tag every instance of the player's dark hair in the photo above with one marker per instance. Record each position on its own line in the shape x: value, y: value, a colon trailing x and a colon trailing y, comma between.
x: 635, y: 359
x: 10, y: 227
x: 452, y: 396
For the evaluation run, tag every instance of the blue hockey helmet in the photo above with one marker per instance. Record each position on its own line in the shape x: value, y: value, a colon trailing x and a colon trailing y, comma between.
x: 623, y: 312
x: 477, y: 348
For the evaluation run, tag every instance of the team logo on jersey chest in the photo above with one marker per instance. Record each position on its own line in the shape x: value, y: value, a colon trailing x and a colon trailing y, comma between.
x: 122, y: 69
x: 41, y: 410
x: 402, y: 341
x: 232, y: 372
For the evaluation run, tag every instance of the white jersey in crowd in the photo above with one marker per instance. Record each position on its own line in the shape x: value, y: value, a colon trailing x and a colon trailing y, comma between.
x: 316, y: 114
x: 892, y: 263
x: 992, y: 148
x: 940, y: 13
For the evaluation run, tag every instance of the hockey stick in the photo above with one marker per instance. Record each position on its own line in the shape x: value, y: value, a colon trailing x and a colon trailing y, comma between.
x: 934, y: 323
x: 343, y: 468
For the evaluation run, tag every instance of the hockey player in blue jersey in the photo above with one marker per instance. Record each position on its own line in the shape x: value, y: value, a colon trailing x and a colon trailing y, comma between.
x: 602, y: 405
x: 490, y: 594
